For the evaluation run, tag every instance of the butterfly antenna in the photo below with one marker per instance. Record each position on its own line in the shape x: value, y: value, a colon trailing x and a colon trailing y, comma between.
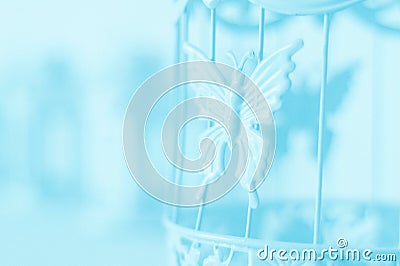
x: 250, y: 55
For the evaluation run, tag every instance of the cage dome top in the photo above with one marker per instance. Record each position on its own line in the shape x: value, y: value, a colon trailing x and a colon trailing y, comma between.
x: 305, y: 7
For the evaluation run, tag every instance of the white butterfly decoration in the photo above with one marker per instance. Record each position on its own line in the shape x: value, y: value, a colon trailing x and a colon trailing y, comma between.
x: 271, y: 75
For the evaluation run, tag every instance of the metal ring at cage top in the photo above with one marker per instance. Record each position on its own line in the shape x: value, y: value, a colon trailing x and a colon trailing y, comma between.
x: 243, y: 15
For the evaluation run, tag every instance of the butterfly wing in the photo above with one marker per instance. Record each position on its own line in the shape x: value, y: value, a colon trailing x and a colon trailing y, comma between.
x: 272, y: 78
x: 211, y: 91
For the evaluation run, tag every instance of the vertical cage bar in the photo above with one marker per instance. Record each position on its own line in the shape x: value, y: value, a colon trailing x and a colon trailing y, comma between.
x: 398, y: 243
x: 178, y: 41
x: 185, y: 29
x: 248, y: 223
x: 178, y: 55
x: 261, y: 34
x: 213, y: 30
x: 199, y: 217
x: 247, y: 232
x: 321, y: 128
x: 181, y: 37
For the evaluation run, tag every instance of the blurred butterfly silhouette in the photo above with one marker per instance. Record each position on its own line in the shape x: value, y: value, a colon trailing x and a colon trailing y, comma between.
x: 383, y: 14
x: 303, y: 104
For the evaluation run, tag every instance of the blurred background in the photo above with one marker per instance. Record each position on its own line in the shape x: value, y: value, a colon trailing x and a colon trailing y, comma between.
x: 67, y: 72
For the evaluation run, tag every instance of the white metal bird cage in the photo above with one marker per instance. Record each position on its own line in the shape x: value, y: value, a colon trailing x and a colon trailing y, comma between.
x: 290, y: 212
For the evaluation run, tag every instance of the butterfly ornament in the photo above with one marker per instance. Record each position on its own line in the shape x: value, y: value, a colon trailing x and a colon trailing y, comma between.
x: 271, y: 76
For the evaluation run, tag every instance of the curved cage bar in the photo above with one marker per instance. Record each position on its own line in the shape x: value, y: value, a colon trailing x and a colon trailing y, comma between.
x: 185, y: 241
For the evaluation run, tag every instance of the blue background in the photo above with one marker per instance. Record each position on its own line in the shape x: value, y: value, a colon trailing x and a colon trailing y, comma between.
x: 67, y: 72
